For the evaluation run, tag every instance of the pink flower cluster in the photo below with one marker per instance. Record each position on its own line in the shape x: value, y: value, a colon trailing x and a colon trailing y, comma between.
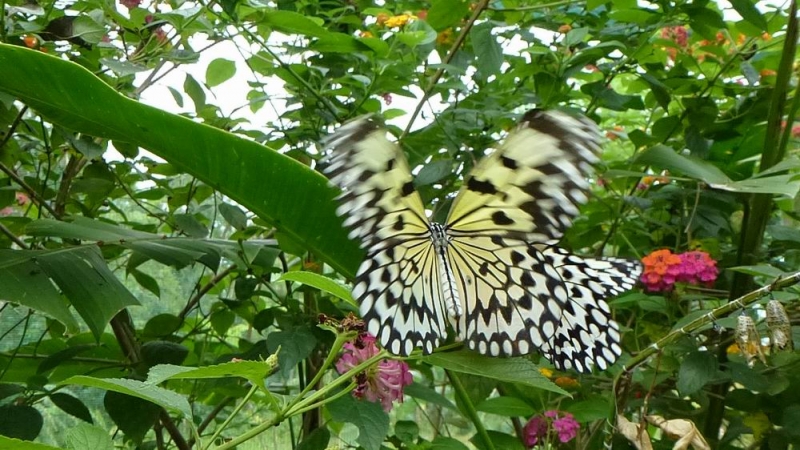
x: 662, y: 269
x: 383, y: 382
x: 539, y: 428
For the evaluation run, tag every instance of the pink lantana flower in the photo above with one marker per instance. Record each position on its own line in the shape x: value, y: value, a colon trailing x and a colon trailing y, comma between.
x: 383, y: 382
x: 541, y: 427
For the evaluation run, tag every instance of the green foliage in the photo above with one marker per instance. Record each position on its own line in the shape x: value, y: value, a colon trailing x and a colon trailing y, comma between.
x: 180, y: 280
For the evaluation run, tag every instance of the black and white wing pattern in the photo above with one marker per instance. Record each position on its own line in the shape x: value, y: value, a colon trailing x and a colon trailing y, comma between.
x: 397, y: 284
x: 493, y: 271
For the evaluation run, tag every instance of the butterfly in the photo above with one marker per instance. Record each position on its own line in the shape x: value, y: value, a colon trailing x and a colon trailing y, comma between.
x: 493, y: 272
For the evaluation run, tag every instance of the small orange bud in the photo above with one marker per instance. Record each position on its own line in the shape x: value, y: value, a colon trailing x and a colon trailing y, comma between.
x: 766, y: 36
x: 366, y: 34
x: 564, y: 29
x: 30, y: 41
x: 422, y: 14
x: 767, y: 72
x: 381, y: 18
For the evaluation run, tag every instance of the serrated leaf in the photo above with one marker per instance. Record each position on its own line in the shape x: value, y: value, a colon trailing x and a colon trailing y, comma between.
x: 86, y: 436
x: 135, y: 388
x: 513, y: 370
x: 7, y: 443
x: 369, y: 417
x: 320, y: 282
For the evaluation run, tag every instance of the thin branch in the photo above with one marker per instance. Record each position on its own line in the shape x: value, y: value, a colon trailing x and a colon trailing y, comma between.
x: 31, y: 192
x: 450, y: 55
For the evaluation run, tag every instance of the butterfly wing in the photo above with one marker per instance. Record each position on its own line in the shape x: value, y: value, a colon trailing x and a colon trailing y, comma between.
x: 532, y: 185
x: 520, y: 291
x: 397, y: 284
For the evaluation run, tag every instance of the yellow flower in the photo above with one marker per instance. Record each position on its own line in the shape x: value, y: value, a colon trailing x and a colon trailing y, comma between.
x: 398, y: 21
x: 546, y: 372
x: 366, y: 34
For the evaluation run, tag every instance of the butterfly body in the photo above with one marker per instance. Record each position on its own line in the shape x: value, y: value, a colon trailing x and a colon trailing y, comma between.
x: 493, y: 272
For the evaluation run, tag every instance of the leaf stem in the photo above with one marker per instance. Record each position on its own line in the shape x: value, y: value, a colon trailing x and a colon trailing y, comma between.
x: 472, y: 413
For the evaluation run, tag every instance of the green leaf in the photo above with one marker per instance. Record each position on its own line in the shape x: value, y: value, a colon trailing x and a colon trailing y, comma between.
x: 488, y: 53
x: 429, y: 395
x: 145, y: 391
x: 163, y: 352
x: 664, y: 157
x: 20, y: 421
x: 369, y: 417
x: 447, y: 443
x: 72, y: 406
x: 499, y: 440
x: 433, y: 172
x: 514, y: 370
x: 7, y: 443
x: 506, y: 406
x: 446, y: 13
x: 277, y: 188
x: 290, y: 22
x: 190, y: 225
x: 761, y: 270
x: 26, y: 284
x: 81, y: 274
x: 317, y: 439
x: 747, y: 9
x: 134, y: 416
x: 697, y: 370
x: 321, y: 282
x: 252, y: 371
x: 84, y: 436
x: 233, y: 215
x: 595, y: 408
x: 219, y: 71
x: 295, y: 344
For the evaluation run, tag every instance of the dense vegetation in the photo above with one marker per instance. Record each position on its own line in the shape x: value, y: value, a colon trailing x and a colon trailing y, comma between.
x: 180, y: 281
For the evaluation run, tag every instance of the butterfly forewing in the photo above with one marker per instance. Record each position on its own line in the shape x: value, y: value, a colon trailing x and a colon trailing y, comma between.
x: 397, y: 284
x: 532, y: 185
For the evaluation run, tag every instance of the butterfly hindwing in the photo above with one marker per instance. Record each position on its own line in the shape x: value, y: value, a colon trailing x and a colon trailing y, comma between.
x: 397, y: 283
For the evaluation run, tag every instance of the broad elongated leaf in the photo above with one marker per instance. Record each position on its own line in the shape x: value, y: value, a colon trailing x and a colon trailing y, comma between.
x: 664, y: 157
x: 280, y: 190
x: 514, y: 370
x: 320, y: 282
x: 146, y: 391
x: 176, y: 252
x: 81, y: 274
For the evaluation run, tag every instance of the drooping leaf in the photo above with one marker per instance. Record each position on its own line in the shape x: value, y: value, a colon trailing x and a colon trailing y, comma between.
x: 514, y: 370
x: 369, y: 417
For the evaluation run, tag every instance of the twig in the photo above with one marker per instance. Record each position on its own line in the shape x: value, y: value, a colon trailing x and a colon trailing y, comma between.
x: 450, y: 55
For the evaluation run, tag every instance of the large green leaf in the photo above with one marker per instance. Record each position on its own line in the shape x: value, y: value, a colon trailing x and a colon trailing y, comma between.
x: 514, y: 370
x: 146, y: 391
x: 282, y: 191
x: 80, y: 272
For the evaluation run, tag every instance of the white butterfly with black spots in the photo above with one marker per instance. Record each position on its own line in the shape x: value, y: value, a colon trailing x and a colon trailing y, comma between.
x: 492, y: 273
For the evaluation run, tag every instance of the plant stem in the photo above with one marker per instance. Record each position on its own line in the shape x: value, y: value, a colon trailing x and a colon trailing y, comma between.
x: 471, y: 412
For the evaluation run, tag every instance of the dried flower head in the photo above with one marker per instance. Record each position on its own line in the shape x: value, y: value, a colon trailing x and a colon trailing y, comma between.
x: 383, y: 382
